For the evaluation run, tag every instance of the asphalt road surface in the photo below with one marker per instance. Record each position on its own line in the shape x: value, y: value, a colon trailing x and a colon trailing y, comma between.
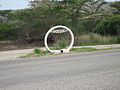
x: 78, y: 71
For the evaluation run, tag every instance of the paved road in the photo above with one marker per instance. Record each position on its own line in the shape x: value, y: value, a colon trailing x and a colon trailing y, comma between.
x: 78, y: 71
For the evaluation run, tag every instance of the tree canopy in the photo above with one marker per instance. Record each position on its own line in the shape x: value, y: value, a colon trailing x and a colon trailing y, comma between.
x: 31, y: 24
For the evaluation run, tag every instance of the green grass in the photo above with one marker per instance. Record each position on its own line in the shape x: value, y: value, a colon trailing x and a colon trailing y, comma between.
x: 38, y: 52
x: 35, y: 55
x: 89, y: 49
x: 83, y: 49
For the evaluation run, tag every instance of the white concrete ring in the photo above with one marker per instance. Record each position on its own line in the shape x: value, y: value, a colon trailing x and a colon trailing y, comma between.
x: 55, y: 27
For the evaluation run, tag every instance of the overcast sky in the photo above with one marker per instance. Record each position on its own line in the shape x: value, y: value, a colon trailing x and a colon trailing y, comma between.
x: 16, y: 4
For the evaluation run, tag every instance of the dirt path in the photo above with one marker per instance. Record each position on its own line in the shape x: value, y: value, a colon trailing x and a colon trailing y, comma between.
x: 14, y: 54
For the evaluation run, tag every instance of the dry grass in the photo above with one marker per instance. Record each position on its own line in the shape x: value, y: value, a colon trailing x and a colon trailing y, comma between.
x: 5, y: 42
x: 94, y: 39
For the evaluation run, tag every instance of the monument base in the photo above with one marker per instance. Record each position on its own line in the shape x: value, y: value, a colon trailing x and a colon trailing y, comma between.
x: 60, y: 51
x: 64, y: 51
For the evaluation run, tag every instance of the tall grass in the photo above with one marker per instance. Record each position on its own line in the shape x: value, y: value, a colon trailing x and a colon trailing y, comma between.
x: 94, y: 39
x: 5, y: 42
x: 60, y: 44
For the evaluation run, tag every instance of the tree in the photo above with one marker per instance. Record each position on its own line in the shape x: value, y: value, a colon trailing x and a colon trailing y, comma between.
x: 96, y: 9
x: 36, y: 3
x: 4, y: 15
x: 109, y: 26
x: 7, y: 31
x: 33, y: 23
x: 116, y: 5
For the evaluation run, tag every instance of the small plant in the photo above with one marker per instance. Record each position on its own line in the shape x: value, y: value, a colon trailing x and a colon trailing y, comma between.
x: 37, y: 51
x: 40, y: 52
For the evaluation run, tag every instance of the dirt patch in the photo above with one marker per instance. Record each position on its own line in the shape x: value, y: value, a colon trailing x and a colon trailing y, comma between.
x: 13, y: 46
x: 13, y: 54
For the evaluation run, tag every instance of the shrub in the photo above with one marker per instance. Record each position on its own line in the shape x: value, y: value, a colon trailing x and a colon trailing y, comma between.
x: 7, y: 31
x: 118, y: 35
x: 40, y: 52
x: 109, y: 26
x: 118, y: 39
x: 37, y: 51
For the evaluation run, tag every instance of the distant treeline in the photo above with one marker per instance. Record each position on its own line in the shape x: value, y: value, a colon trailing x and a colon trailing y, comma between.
x: 82, y: 16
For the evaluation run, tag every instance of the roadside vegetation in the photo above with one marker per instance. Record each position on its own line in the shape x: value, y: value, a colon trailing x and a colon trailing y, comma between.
x: 93, y: 22
x: 38, y: 52
x: 94, y: 39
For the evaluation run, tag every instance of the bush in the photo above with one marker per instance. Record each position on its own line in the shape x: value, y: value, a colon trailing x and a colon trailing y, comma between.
x: 40, y: 52
x: 109, y: 26
x: 37, y: 51
x: 118, y: 39
x: 7, y: 31
x: 118, y: 35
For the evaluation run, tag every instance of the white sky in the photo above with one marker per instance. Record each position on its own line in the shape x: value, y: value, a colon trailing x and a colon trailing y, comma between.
x: 16, y: 4
x: 13, y: 4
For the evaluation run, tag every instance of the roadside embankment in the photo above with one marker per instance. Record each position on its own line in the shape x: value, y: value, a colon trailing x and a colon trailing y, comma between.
x: 14, y: 54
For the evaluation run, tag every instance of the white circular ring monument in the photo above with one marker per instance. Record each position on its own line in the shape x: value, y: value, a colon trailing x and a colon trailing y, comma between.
x: 57, y: 29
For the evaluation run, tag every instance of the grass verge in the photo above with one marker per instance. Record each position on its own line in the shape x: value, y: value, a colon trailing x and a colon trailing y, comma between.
x: 83, y: 49
x: 38, y: 52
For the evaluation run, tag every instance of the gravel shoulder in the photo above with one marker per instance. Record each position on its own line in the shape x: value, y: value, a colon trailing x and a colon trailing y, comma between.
x: 14, y: 54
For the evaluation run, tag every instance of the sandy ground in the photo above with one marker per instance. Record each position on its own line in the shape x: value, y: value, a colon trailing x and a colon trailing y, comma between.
x: 15, y: 54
